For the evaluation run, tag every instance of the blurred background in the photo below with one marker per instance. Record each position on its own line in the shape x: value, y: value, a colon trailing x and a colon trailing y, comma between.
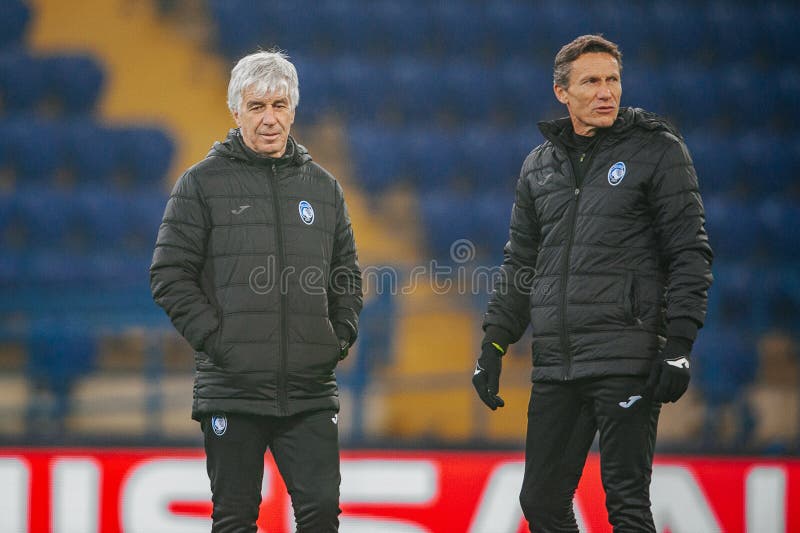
x: 425, y: 112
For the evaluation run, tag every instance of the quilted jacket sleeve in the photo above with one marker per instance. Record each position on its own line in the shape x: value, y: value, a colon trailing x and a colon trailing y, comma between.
x: 508, y: 315
x: 178, y: 260
x: 679, y: 220
x: 345, y: 297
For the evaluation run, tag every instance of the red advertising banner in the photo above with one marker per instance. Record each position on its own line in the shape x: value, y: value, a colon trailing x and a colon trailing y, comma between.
x: 166, y: 490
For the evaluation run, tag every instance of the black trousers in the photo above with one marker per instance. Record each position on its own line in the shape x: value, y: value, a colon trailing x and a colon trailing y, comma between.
x: 306, y: 451
x: 563, y: 418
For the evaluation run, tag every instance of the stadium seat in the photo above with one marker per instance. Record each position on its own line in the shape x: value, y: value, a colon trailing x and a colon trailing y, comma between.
x: 788, y: 79
x: 782, y: 293
x: 23, y: 81
x: 375, y: 152
x: 734, y: 229
x: 745, y: 98
x: 416, y: 88
x: 735, y: 30
x: 50, y: 219
x: 33, y: 149
x: 778, y: 31
x: 691, y: 95
x: 725, y: 362
x: 14, y: 22
x: 145, y: 153
x: 238, y: 34
x: 735, y: 299
x: 716, y: 161
x: 91, y: 153
x: 681, y: 32
x: 460, y: 30
x: 768, y: 163
x: 526, y: 90
x: 781, y: 220
x: 75, y: 80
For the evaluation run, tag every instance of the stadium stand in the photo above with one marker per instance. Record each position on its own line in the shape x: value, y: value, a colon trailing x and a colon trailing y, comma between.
x: 435, y: 104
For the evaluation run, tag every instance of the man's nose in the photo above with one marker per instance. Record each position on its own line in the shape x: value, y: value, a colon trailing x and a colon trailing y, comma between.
x: 604, y: 92
x: 269, y: 116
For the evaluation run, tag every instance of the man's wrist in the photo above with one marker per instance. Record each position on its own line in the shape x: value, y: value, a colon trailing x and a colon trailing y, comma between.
x: 497, y: 337
x: 677, y: 347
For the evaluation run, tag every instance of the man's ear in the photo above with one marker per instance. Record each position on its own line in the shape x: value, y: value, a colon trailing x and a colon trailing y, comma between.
x: 561, y: 94
x: 235, y: 115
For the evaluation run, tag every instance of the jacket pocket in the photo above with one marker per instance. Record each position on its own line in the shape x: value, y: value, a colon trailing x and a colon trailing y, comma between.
x: 631, y: 299
x: 215, y: 350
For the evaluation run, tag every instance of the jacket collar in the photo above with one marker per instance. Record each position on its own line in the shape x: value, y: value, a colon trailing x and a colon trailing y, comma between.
x: 234, y: 147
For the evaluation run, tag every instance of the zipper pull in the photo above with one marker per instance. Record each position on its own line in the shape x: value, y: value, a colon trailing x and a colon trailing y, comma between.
x: 577, y: 191
x: 583, y: 155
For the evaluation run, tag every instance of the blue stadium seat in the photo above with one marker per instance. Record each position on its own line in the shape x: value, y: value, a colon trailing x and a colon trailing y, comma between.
x: 360, y: 89
x: 377, y: 157
x: 459, y: 29
x: 58, y: 354
x: 735, y: 30
x: 106, y: 215
x: 719, y: 169
x: 76, y: 80
x: 781, y: 220
x: 145, y: 153
x: 433, y: 158
x: 680, y: 30
x: 778, y: 31
x: 146, y: 212
x: 32, y: 148
x: 691, y: 95
x: 768, y: 161
x: 782, y: 294
x: 23, y: 81
x: 416, y: 88
x: 50, y: 218
x: 725, y: 362
x: 735, y: 299
x: 516, y: 30
x: 745, y: 98
x: 734, y: 229
x: 526, y: 90
x: 242, y: 26
x: 472, y: 90
x: 91, y: 152
x: 447, y: 219
x: 14, y: 22
x: 394, y: 28
x: 788, y: 86
x: 645, y: 86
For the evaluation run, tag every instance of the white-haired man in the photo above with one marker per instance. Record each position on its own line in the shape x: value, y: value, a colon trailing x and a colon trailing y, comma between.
x: 256, y: 266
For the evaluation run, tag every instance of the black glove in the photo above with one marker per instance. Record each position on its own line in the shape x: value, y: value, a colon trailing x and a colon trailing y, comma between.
x: 669, y: 377
x: 343, y: 333
x: 486, y: 378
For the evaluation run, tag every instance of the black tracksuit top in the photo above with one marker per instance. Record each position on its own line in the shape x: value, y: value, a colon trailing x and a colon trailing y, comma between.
x: 615, y: 262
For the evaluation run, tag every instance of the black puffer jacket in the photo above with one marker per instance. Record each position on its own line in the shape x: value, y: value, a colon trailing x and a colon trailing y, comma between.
x: 256, y: 266
x: 620, y: 260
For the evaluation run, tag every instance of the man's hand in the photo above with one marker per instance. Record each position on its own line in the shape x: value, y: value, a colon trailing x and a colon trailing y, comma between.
x: 344, y: 348
x: 486, y: 378
x: 669, y: 377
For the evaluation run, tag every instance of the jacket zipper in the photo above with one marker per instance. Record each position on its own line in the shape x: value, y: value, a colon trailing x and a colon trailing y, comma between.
x: 282, y: 394
x: 565, y: 262
x: 564, y: 280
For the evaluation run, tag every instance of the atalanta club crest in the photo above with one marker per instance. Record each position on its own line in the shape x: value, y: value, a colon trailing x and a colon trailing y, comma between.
x: 219, y: 423
x: 306, y: 212
x: 616, y: 173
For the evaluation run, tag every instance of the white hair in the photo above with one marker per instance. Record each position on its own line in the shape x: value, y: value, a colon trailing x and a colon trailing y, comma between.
x: 263, y: 72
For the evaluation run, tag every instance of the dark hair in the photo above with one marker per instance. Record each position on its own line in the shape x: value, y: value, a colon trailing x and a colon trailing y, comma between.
x: 581, y: 45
